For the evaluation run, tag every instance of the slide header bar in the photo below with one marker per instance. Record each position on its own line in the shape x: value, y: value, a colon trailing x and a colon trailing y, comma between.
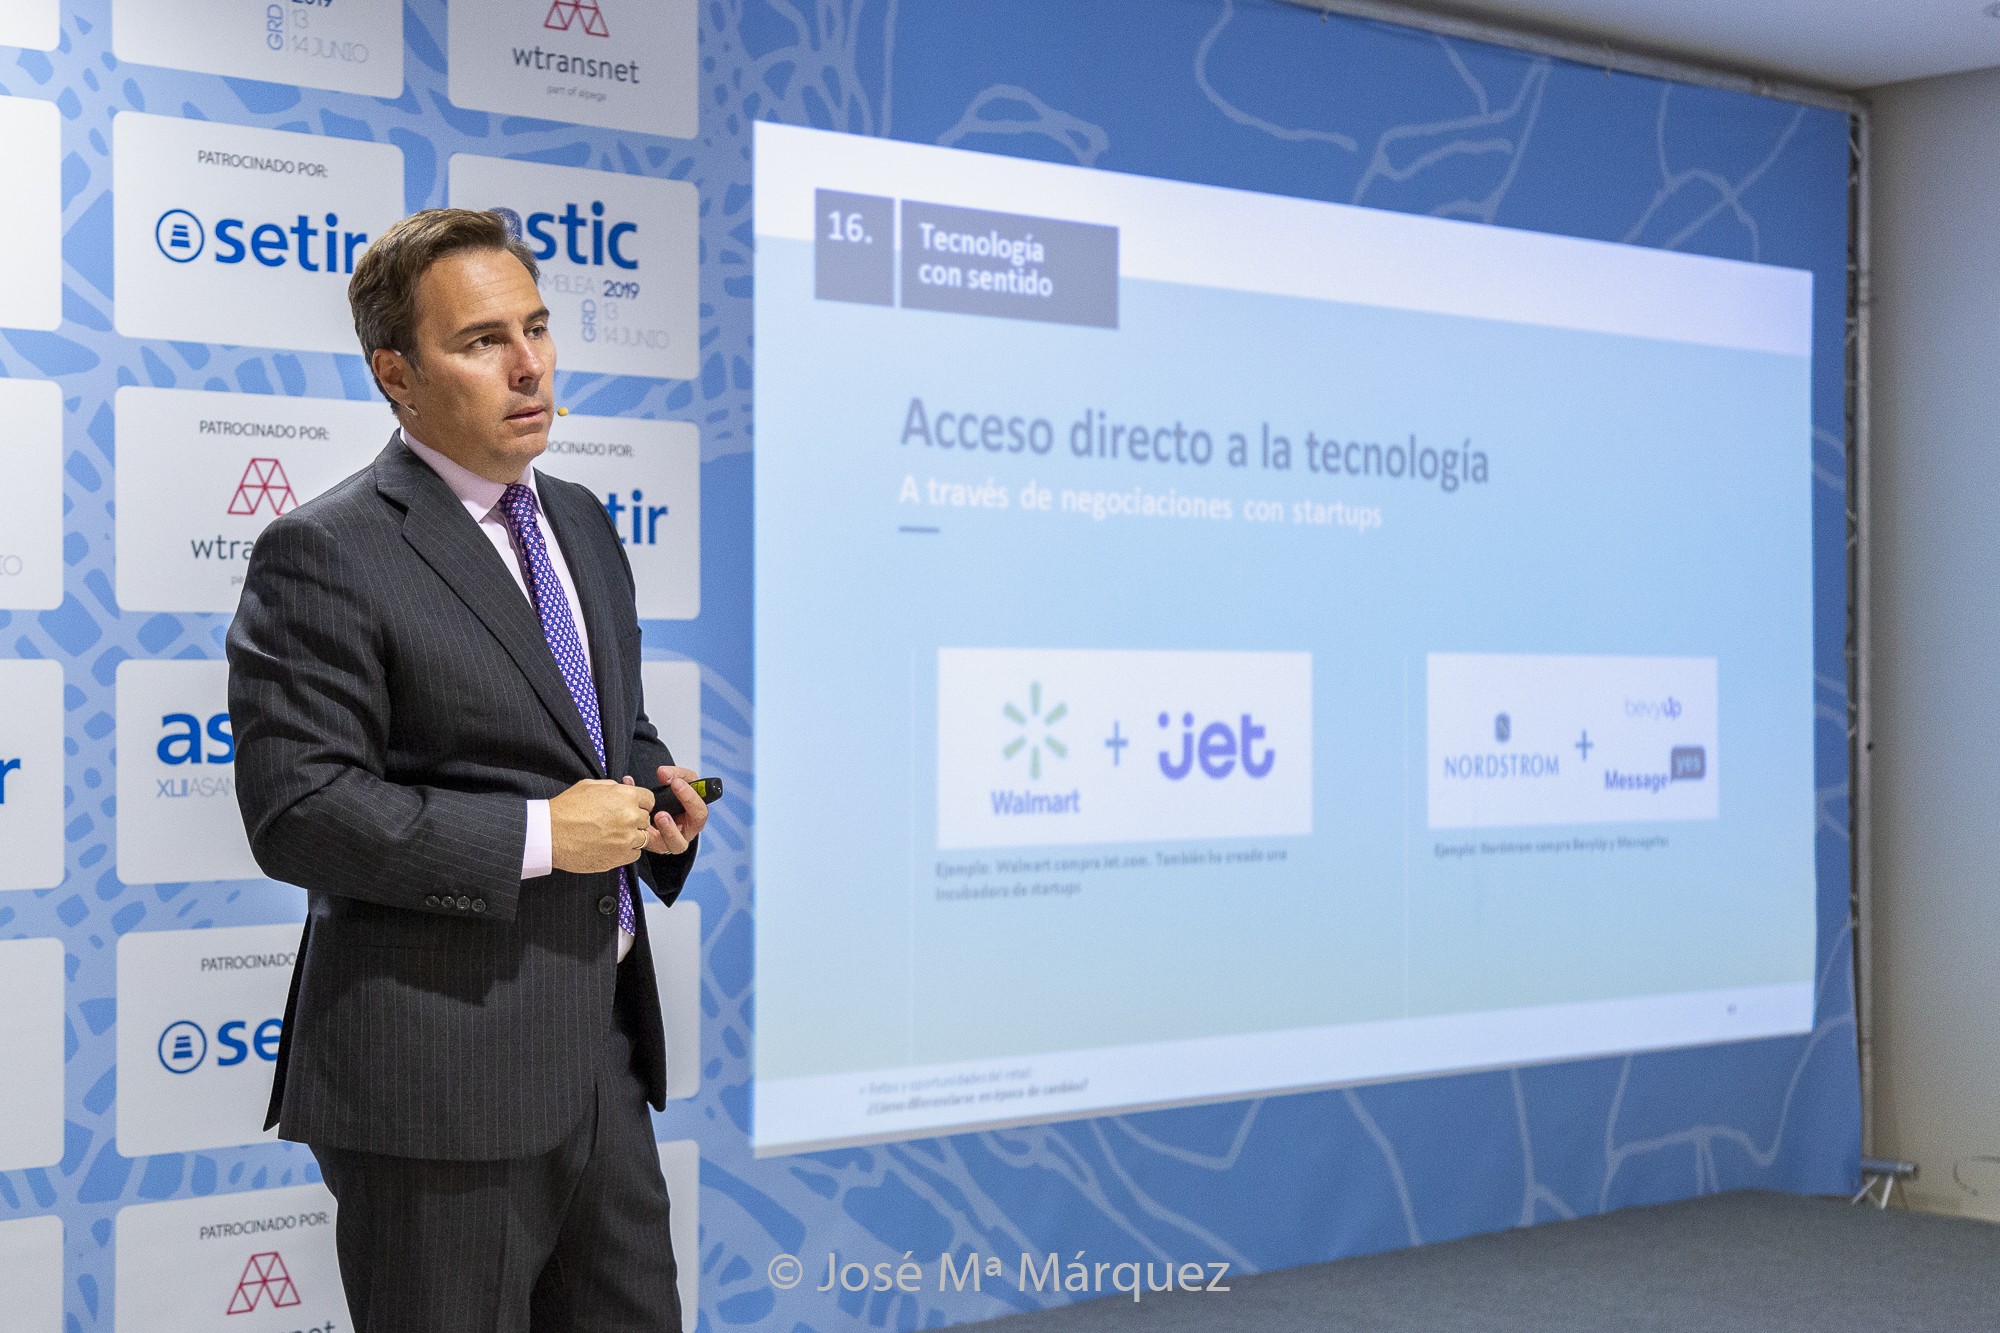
x: 1208, y: 236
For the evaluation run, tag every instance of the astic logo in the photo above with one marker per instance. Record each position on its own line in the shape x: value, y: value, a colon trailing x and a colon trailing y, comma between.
x: 265, y: 1280
x: 181, y: 739
x: 565, y: 13
x: 263, y: 482
x: 180, y: 235
x: 591, y: 241
x: 1036, y: 735
x: 183, y: 1046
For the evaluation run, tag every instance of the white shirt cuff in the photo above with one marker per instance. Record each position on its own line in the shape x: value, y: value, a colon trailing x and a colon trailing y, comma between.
x: 538, y: 853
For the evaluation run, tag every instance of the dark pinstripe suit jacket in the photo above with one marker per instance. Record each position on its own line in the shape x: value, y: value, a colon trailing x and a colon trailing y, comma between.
x: 395, y: 706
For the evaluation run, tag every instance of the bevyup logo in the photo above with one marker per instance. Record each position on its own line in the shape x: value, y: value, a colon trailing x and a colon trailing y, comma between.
x: 265, y: 1281
x: 564, y: 14
x: 1036, y: 734
x: 264, y: 482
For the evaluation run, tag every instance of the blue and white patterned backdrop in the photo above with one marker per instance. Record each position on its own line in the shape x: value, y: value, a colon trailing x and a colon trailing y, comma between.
x: 1247, y: 93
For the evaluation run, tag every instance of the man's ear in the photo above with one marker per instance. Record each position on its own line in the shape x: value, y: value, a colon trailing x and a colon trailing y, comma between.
x: 398, y: 376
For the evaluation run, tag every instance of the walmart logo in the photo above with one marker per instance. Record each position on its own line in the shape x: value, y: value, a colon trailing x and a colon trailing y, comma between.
x: 1037, y: 732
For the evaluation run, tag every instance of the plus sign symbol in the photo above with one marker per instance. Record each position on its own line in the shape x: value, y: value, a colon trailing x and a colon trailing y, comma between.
x: 264, y: 1282
x: 563, y: 14
x: 264, y: 483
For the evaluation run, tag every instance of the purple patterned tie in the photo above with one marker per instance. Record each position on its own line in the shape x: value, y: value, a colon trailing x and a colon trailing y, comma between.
x: 559, y: 629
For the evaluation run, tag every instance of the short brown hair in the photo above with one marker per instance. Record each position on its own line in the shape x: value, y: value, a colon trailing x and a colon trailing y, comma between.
x: 383, y: 291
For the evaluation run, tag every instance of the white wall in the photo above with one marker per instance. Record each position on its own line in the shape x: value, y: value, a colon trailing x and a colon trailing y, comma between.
x: 1936, y: 492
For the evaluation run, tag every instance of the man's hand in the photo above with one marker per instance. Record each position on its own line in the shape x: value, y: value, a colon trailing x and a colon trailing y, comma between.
x: 671, y: 836
x: 599, y: 824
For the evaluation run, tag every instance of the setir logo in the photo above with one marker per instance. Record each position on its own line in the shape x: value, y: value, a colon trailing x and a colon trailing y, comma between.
x: 183, y: 1046
x: 264, y: 482
x: 265, y: 1280
x: 564, y: 14
x: 1036, y: 730
x: 180, y: 235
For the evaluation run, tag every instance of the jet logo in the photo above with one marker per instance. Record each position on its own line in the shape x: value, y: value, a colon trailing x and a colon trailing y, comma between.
x: 265, y: 1280
x: 563, y: 14
x: 1221, y: 747
x: 264, y: 482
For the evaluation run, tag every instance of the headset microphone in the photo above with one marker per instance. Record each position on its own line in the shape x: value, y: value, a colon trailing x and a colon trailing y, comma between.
x: 562, y: 411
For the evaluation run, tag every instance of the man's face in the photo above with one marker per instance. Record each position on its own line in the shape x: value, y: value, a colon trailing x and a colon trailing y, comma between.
x: 483, y: 372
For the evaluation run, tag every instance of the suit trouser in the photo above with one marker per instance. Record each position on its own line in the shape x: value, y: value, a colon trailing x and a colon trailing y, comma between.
x: 575, y: 1238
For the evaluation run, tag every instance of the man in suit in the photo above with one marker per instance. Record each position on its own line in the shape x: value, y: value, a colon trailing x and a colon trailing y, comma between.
x: 434, y: 684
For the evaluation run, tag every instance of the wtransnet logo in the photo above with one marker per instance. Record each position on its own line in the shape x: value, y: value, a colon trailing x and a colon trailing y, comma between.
x: 265, y: 1281
x: 581, y: 18
x: 315, y: 245
x: 264, y: 484
x: 587, y: 14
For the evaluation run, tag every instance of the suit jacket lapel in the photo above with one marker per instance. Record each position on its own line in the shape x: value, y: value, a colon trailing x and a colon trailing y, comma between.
x: 581, y: 531
x: 436, y: 525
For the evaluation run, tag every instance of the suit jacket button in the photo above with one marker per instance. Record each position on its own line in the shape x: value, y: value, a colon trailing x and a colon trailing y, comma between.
x: 464, y: 903
x: 478, y: 904
x: 607, y: 905
x: 430, y: 900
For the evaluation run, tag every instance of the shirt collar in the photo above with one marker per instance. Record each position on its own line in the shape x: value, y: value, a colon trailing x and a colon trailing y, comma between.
x: 478, y: 494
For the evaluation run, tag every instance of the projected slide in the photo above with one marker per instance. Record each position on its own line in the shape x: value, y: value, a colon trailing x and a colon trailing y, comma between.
x: 1210, y: 644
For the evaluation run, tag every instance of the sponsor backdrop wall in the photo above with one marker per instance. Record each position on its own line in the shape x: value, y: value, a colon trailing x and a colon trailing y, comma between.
x: 190, y: 181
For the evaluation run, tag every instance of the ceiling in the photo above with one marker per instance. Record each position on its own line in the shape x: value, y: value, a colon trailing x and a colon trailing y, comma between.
x: 1847, y: 44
